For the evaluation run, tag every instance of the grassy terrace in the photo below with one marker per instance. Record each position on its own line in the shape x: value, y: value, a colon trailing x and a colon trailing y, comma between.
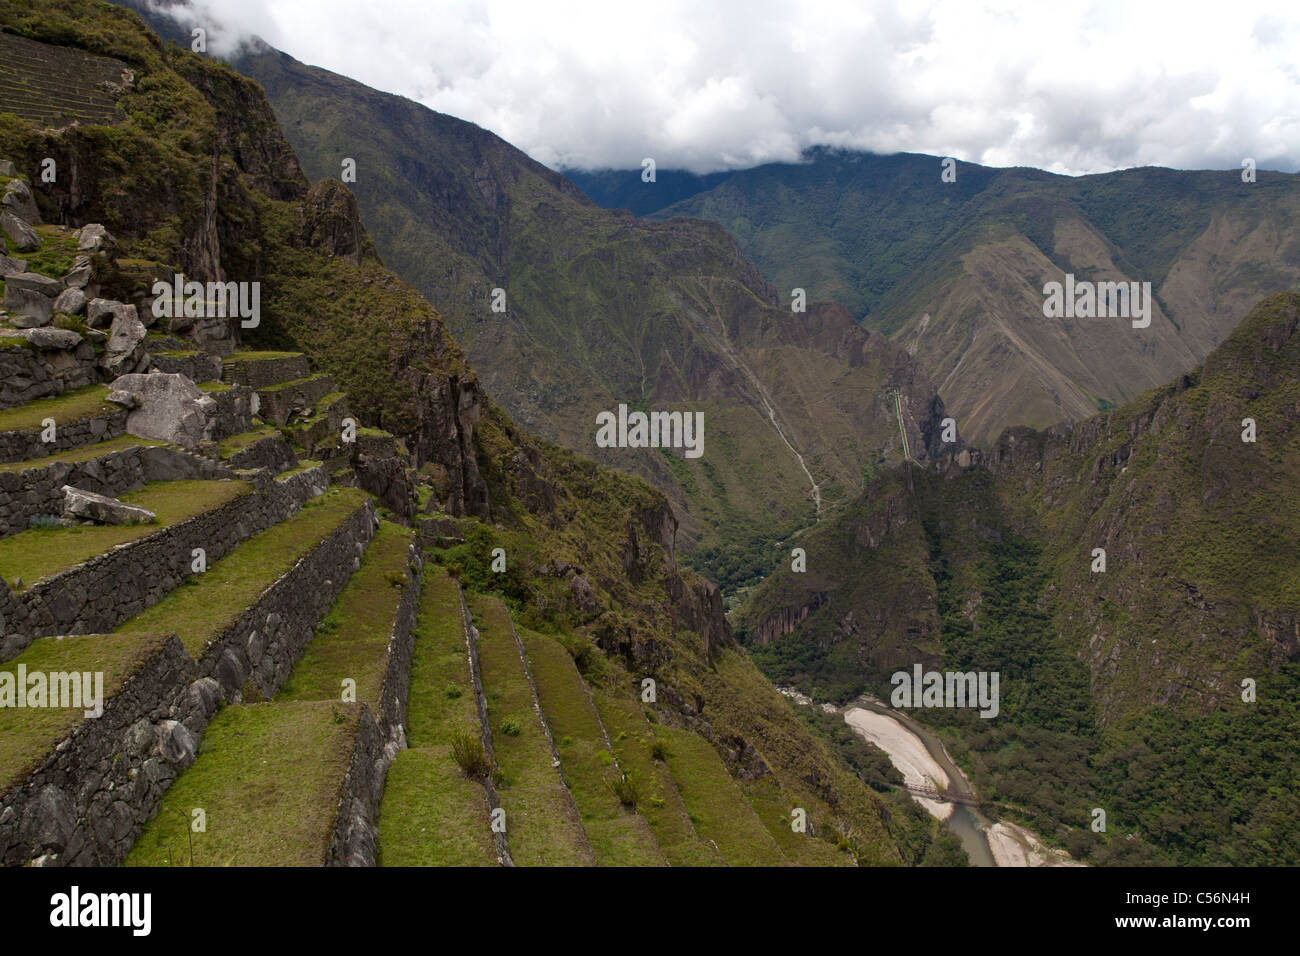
x: 773, y: 808
x: 241, y: 441
x: 84, y: 453
x: 41, y: 552
x: 323, y: 404
x: 269, y: 778
x: 432, y: 814
x: 305, y: 465
x: 87, y: 402
x: 199, y: 610
x: 234, y: 358
x: 660, y: 802
x: 716, y: 805
x: 442, y: 695
x: 28, y: 735
x: 352, y: 639
x: 619, y: 836
x: 540, y: 822
x: 295, y: 383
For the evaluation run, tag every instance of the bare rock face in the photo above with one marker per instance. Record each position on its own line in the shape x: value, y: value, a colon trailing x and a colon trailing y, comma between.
x: 169, y: 407
x: 31, y: 309
x: 19, y: 200
x: 61, y: 339
x: 34, y: 282
x: 389, y: 481
x: 125, y: 351
x: 102, y: 509
x: 331, y: 221
x: 93, y: 237
x: 100, y: 313
x: 80, y: 274
x: 9, y: 267
x: 70, y: 302
x: 19, y: 232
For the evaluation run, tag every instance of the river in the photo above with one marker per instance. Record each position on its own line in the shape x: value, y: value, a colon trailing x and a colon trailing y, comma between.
x: 966, y: 822
x: 920, y: 756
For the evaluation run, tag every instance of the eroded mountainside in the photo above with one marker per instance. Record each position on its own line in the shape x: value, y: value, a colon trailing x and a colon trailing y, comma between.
x: 602, y: 308
x: 954, y: 271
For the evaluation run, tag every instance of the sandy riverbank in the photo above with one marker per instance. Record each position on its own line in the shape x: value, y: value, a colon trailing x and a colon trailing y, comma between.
x: 906, y: 752
x: 1013, y: 845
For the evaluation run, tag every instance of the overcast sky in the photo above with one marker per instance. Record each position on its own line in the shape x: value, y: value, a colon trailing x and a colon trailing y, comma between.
x: 1073, y: 87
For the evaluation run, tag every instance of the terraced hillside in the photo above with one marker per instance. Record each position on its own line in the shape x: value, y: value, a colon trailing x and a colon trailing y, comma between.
x: 180, y: 640
x: 68, y: 86
x: 268, y: 537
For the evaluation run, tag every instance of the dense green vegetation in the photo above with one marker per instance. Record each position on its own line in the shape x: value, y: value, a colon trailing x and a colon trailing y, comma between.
x: 1119, y: 690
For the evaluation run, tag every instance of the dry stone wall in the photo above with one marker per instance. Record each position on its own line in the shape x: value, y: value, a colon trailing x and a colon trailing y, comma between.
x: 25, y: 445
x: 99, y: 594
x: 27, y: 374
x: 88, y: 801
x: 39, y: 490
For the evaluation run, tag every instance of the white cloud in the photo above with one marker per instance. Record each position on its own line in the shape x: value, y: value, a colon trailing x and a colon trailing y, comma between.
x: 1070, y: 85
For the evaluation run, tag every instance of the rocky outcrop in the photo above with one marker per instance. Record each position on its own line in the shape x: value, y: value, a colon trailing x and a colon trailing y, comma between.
x: 22, y: 235
x: 784, y: 620
x: 168, y: 408
x: 101, y: 509
x: 18, y: 200
x: 125, y: 351
x: 331, y: 222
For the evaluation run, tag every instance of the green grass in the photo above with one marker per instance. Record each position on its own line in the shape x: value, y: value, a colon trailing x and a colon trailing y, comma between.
x: 84, y: 453
x: 442, y: 694
x: 241, y: 441
x: 295, y: 383
x: 41, y: 552
x: 211, y: 388
x: 432, y: 814
x: 619, y: 837
x: 352, y: 639
x: 773, y: 808
x: 28, y: 735
x: 305, y: 465
x: 207, y: 604
x: 234, y: 358
x: 87, y: 402
x: 56, y: 255
x: 661, y: 802
x: 716, y: 804
x: 539, y: 816
x: 268, y: 777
